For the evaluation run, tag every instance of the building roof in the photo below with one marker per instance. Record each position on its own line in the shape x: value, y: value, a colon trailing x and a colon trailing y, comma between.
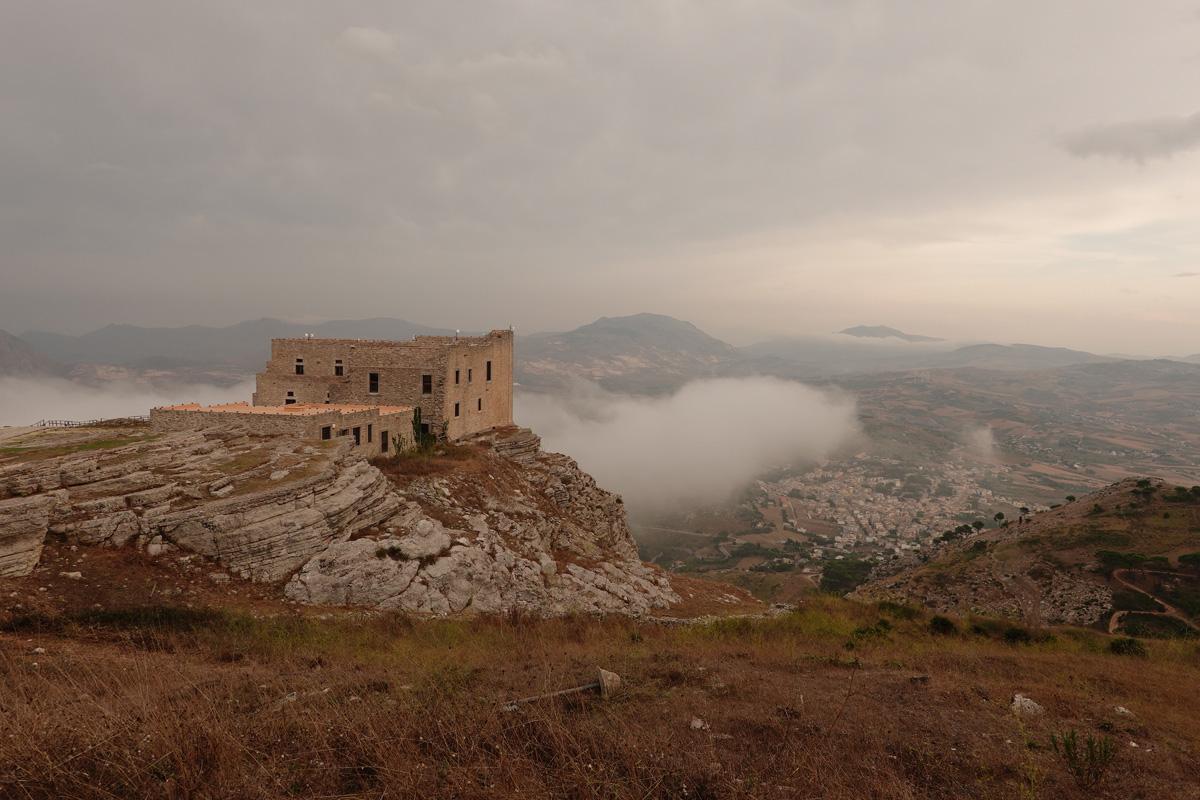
x: 293, y: 410
x: 420, y: 340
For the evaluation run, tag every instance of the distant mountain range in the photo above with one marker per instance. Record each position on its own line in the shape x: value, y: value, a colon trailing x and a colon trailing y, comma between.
x: 884, y: 332
x: 246, y: 344
x: 637, y: 354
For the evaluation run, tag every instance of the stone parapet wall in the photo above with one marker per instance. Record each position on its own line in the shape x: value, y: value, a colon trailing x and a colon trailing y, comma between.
x: 373, y: 424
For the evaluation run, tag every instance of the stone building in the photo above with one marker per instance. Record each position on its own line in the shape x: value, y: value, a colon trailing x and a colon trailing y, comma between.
x: 370, y: 427
x: 463, y: 382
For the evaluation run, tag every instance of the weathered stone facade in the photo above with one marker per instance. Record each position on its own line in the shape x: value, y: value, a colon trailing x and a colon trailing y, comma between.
x: 464, y: 382
x: 369, y: 428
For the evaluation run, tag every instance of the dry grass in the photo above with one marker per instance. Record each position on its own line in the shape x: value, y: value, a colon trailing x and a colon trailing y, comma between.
x: 447, y: 459
x: 203, y: 703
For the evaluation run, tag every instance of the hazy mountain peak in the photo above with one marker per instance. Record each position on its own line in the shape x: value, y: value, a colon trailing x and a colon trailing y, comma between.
x: 644, y: 353
x: 884, y: 332
x: 18, y: 357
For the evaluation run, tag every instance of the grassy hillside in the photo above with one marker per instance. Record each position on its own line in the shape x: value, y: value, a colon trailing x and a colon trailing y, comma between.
x: 1069, y: 563
x: 833, y: 700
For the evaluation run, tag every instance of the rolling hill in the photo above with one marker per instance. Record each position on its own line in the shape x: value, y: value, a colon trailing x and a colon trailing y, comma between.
x: 643, y: 353
x: 1058, y: 567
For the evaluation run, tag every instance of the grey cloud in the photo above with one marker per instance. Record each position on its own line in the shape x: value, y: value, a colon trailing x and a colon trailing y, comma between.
x: 1186, y: 274
x: 1136, y: 140
x: 168, y: 163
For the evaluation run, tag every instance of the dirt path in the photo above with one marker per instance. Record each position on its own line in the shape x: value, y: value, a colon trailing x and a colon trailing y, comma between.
x: 672, y: 530
x: 1170, y: 611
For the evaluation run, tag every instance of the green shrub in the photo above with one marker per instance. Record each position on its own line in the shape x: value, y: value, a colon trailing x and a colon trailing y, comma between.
x: 1015, y: 634
x: 391, y: 551
x: 942, y: 626
x: 898, y: 610
x: 1128, y: 646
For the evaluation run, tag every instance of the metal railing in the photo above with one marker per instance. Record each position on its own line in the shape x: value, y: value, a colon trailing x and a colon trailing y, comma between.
x: 75, y: 423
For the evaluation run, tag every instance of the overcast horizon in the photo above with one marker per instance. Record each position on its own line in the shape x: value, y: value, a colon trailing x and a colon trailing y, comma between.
x: 1003, y: 171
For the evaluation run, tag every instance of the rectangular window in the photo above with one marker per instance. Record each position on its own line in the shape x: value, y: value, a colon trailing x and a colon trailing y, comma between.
x: 326, y: 433
x: 299, y: 366
x: 479, y: 404
x: 373, y: 382
x: 338, y: 369
x: 358, y: 436
x: 470, y: 375
x: 456, y: 372
x: 426, y: 384
x: 383, y: 441
x: 489, y: 370
x: 291, y: 398
x: 344, y: 432
x: 369, y: 431
x: 456, y: 409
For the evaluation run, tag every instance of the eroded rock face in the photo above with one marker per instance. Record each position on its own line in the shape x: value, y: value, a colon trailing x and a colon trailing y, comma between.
x: 531, y: 532
x: 23, y: 525
x: 214, y: 492
x: 512, y: 528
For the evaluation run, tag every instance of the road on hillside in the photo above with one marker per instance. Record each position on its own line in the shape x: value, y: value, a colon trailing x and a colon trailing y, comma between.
x: 1170, y: 611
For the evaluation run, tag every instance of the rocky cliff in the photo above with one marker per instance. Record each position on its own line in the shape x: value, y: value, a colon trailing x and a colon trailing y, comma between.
x: 491, y: 526
x: 508, y: 527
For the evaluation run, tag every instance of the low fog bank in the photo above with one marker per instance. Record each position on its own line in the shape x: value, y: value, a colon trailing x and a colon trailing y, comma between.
x: 24, y: 401
x: 697, y: 446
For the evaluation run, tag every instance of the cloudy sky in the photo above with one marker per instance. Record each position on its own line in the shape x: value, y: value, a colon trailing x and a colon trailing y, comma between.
x: 977, y: 169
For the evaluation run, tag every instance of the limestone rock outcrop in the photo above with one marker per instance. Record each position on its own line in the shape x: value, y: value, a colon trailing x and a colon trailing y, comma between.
x: 23, y: 525
x: 506, y: 527
x: 535, y: 533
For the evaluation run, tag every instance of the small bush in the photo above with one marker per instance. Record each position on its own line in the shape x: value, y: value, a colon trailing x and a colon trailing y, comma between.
x: 877, y: 631
x: 942, y: 626
x: 1128, y: 646
x: 391, y: 551
x: 1086, y: 764
x: 1015, y: 634
x: 898, y: 610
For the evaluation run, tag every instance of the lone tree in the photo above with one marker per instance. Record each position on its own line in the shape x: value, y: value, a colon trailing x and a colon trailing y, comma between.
x: 1112, y: 560
x: 1192, y: 560
x: 977, y: 524
x: 999, y: 516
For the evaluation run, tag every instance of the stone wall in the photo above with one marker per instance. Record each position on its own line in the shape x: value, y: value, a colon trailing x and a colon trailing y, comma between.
x: 374, y: 427
x: 456, y: 367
